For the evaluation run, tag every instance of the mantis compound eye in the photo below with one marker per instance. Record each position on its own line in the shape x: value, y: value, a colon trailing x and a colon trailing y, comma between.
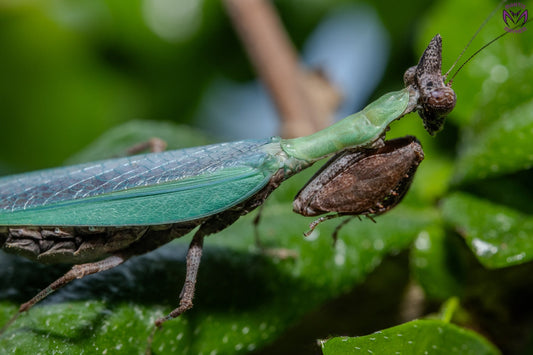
x: 436, y: 105
x: 442, y: 100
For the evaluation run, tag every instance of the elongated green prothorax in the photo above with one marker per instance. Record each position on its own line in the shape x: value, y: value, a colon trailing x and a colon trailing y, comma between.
x: 425, y: 92
x: 359, y: 129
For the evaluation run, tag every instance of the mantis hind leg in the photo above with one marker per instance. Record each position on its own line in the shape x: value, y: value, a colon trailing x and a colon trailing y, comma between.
x: 194, y: 256
x: 77, y: 272
x: 211, y: 225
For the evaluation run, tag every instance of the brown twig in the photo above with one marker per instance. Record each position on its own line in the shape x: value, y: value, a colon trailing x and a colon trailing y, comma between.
x: 302, y: 98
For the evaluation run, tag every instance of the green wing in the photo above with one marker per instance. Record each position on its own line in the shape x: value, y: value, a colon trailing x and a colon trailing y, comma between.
x: 169, y: 187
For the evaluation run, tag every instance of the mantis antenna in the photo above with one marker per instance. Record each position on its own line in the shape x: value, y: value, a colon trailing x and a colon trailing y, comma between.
x: 480, y: 49
x: 471, y: 39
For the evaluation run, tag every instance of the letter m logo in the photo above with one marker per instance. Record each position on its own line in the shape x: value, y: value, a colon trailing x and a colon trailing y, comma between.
x: 518, y: 18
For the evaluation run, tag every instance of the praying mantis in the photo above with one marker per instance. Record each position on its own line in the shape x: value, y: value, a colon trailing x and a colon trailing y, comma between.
x: 97, y: 209
x: 98, y: 215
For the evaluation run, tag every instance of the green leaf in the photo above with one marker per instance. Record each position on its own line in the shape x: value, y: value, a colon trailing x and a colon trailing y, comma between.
x: 498, y: 236
x: 416, y: 337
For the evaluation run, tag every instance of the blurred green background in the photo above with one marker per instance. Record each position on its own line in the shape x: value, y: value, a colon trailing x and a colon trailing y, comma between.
x: 74, y: 71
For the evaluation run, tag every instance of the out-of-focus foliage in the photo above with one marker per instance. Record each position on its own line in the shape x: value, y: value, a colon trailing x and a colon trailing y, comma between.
x: 72, y: 70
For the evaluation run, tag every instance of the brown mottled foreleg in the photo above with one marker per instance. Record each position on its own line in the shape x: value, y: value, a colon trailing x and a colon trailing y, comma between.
x: 77, y: 272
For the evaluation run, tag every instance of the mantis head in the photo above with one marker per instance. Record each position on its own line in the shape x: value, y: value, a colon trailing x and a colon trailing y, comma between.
x: 436, y: 99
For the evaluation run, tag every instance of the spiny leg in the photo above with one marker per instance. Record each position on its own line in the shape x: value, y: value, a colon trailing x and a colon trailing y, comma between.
x: 194, y: 256
x: 193, y: 264
x: 77, y: 272
x: 214, y: 224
